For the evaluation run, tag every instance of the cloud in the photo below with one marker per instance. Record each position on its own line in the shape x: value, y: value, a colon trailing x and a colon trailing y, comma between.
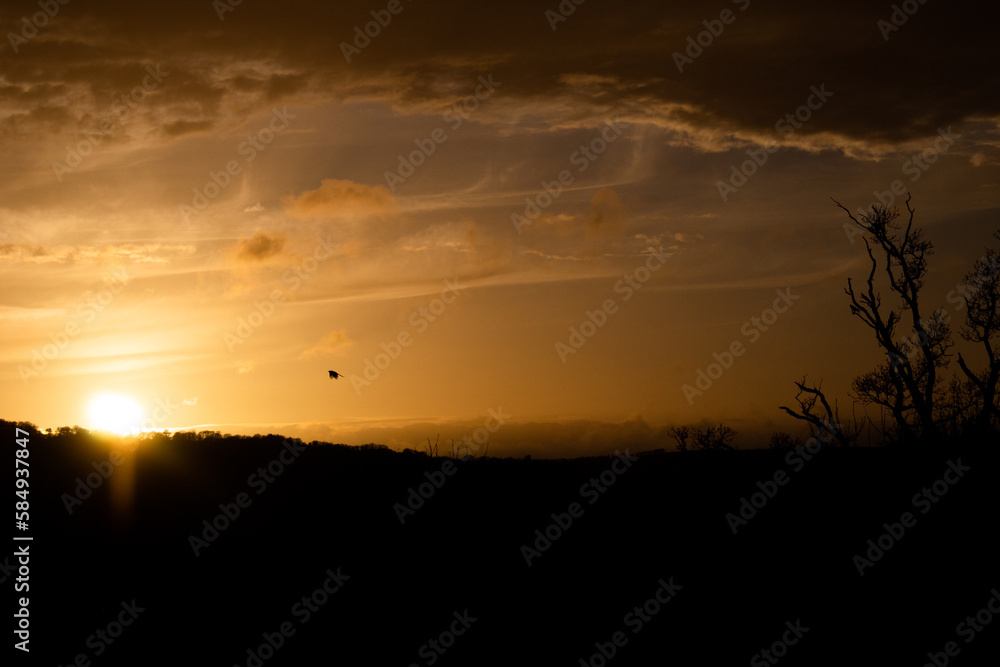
x: 128, y: 253
x: 336, y: 198
x: 333, y: 343
x: 181, y: 127
x: 760, y: 68
x: 190, y: 401
x: 606, y: 211
x: 259, y: 247
x: 460, y: 237
x: 246, y: 367
x: 983, y: 160
x: 516, y: 439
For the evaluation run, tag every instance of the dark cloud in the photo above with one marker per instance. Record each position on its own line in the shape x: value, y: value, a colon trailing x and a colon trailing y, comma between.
x: 29, y: 93
x: 606, y: 211
x: 181, y: 127
x: 259, y: 247
x: 929, y: 73
x: 39, y: 120
x: 280, y: 86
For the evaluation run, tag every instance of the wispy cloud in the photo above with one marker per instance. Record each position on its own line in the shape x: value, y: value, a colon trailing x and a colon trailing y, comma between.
x: 127, y: 253
x: 337, y: 198
x: 333, y: 343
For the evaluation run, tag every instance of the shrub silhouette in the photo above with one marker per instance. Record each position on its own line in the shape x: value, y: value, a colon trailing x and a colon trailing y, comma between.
x: 711, y: 438
x: 784, y: 441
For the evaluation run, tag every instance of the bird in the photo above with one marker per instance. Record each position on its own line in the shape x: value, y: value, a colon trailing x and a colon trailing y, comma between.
x: 334, y: 375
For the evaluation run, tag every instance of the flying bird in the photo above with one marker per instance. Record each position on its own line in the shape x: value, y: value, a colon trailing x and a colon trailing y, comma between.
x: 334, y: 375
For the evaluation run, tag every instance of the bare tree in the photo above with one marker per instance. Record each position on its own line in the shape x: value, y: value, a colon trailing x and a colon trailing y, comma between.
x: 714, y: 438
x: 681, y: 435
x: 981, y: 295
x: 711, y: 438
x: 908, y: 382
x: 829, y: 422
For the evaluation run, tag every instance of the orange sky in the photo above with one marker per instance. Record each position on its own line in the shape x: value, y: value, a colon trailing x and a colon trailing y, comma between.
x: 205, y: 213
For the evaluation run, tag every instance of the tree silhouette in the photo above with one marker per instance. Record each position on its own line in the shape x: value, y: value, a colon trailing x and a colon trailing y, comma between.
x: 714, y: 438
x: 681, y: 435
x: 981, y: 295
x: 908, y: 382
x: 807, y: 398
x: 710, y: 438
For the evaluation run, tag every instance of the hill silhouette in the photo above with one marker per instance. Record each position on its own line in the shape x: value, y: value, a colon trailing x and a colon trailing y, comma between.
x: 365, y: 555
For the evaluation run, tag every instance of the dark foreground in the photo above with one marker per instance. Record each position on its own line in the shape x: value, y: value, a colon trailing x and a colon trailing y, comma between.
x: 317, y: 567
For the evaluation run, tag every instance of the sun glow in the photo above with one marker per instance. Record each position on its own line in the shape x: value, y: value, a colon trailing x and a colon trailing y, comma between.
x: 115, y: 413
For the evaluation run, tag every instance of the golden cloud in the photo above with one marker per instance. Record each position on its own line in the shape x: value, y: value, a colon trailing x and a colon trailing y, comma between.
x: 332, y: 343
x: 337, y: 198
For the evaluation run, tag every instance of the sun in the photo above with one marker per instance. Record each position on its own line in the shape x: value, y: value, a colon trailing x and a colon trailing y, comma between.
x: 115, y: 413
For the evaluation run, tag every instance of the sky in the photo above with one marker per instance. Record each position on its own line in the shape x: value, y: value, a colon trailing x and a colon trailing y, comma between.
x: 544, y: 219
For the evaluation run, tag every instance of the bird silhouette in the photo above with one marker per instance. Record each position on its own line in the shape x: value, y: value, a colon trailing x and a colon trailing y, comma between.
x: 334, y: 375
